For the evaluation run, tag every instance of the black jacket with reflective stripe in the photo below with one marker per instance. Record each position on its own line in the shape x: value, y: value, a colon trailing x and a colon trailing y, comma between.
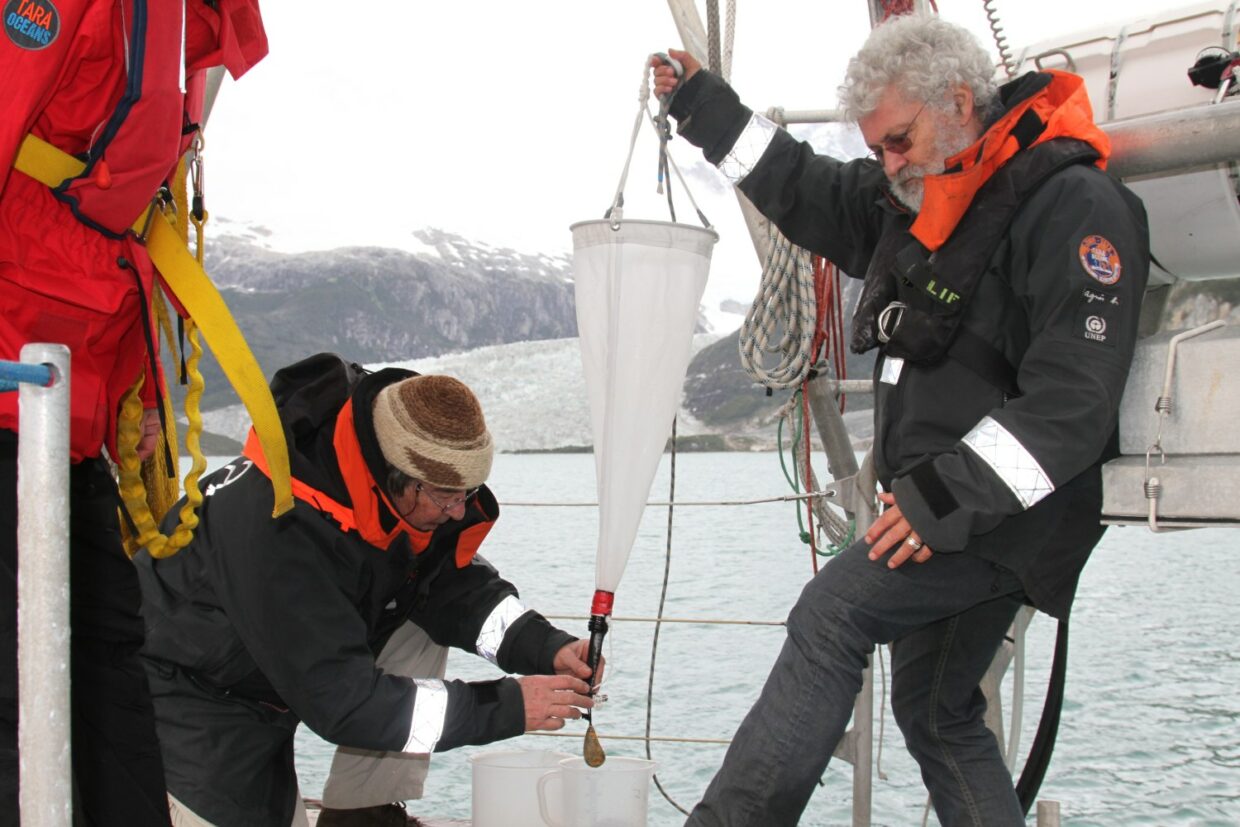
x: 1069, y: 335
x: 292, y: 612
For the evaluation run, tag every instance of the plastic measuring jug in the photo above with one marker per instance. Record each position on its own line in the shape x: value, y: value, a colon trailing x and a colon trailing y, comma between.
x: 505, y: 786
x: 613, y: 795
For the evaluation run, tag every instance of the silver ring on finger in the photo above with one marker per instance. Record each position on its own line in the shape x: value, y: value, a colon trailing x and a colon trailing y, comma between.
x: 914, y: 543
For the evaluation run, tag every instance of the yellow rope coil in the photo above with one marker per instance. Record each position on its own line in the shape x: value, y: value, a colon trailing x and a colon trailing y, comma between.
x: 162, y: 488
x: 148, y: 488
x: 192, y: 287
x: 134, y: 493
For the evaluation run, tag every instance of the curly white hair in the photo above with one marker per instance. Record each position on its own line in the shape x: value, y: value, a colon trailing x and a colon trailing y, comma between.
x: 922, y: 57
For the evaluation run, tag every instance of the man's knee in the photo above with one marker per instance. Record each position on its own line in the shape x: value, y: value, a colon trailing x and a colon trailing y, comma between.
x: 825, y: 628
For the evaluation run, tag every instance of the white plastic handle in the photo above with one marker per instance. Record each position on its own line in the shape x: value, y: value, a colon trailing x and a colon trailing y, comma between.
x: 543, y: 809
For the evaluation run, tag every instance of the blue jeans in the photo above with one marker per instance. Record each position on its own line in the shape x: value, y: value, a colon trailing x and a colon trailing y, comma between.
x: 946, y: 618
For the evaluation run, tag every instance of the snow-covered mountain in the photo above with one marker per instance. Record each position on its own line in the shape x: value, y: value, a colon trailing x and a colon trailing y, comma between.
x: 534, y: 397
x: 533, y: 394
x: 502, y: 321
x: 437, y: 294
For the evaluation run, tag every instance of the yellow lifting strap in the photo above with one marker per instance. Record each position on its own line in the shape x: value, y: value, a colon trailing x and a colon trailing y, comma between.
x: 194, y: 290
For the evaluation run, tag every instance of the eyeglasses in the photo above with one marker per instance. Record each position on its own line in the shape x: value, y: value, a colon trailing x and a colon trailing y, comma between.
x: 899, y: 143
x: 445, y: 507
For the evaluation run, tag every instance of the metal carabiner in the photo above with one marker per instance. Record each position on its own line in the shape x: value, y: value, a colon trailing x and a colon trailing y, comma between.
x: 898, y: 309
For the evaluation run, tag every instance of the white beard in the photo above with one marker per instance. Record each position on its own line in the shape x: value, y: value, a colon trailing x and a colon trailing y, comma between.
x: 908, y: 185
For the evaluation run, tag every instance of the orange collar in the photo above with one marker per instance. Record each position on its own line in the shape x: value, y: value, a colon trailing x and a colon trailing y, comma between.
x: 365, y: 493
x: 367, y: 497
x: 1062, y: 105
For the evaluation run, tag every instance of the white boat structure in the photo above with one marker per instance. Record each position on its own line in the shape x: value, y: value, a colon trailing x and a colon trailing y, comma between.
x: 1176, y: 144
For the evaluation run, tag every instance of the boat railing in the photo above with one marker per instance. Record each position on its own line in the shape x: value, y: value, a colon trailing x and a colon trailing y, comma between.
x: 41, y: 380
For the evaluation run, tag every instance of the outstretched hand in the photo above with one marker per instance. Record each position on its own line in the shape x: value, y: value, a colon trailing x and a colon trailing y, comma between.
x: 665, y: 80
x: 552, y: 699
x: 891, y: 530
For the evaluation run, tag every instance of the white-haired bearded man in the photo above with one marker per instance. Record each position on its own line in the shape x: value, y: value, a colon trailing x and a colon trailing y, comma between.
x: 1004, y: 272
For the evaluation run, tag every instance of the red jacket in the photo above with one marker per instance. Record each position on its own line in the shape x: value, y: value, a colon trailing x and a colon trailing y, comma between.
x: 107, y: 81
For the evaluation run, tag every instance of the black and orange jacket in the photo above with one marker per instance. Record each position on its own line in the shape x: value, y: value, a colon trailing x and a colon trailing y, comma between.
x: 292, y: 612
x: 1011, y: 473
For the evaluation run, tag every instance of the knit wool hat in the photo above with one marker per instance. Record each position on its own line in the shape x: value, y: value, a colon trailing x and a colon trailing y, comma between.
x: 431, y: 428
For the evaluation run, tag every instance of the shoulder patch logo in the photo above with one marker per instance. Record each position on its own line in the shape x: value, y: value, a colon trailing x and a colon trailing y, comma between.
x: 31, y: 24
x: 1100, y: 259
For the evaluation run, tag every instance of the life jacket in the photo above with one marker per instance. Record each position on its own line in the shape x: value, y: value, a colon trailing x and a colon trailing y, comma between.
x: 924, y: 271
x: 132, y: 154
x: 1057, y: 108
x: 137, y: 148
x: 367, y: 496
x: 116, y: 112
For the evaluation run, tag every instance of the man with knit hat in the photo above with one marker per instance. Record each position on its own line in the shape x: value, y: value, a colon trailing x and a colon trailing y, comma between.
x: 338, y: 613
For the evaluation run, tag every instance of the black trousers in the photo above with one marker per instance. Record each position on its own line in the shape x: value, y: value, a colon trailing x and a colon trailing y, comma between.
x: 118, y: 776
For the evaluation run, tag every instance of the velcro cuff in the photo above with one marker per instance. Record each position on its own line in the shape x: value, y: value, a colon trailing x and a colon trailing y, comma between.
x: 937, y: 496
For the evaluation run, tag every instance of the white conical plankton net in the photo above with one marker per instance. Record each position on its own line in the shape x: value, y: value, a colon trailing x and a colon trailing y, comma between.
x: 638, y: 288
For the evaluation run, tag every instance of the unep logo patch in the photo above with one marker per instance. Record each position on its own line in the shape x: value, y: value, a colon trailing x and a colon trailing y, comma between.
x: 31, y: 24
x: 1100, y: 259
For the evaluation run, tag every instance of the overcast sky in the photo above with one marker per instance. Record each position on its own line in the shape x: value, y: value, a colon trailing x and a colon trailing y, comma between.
x: 506, y: 122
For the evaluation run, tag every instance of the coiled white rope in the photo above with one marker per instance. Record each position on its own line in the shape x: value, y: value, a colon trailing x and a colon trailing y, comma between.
x: 785, y: 301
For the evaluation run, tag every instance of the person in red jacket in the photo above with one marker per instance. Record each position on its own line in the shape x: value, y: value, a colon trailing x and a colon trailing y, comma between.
x: 119, y: 85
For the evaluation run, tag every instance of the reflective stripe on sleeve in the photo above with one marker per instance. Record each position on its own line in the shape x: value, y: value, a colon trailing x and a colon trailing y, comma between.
x: 496, y: 626
x: 430, y: 709
x: 1018, y: 468
x: 749, y: 147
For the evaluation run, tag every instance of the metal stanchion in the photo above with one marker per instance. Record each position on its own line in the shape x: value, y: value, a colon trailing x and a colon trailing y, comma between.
x: 43, y: 591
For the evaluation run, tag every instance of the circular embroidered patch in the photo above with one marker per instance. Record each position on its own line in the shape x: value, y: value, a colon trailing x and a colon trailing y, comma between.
x: 31, y: 24
x: 1100, y: 259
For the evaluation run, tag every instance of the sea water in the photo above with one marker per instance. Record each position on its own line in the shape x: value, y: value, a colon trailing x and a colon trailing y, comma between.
x: 1150, y: 733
